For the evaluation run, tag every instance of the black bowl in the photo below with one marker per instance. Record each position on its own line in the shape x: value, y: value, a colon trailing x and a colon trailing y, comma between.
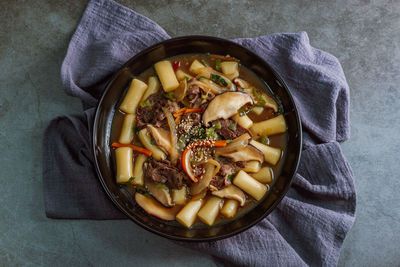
x: 108, y: 105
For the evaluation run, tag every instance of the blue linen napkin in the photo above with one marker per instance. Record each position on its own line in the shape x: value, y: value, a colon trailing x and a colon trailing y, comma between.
x: 307, y: 227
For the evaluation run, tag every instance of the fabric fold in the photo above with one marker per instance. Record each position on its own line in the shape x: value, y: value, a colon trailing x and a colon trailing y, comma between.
x: 308, y: 226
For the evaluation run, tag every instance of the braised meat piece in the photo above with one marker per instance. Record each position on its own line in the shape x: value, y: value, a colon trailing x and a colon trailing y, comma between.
x: 163, y: 172
x: 229, y: 129
x: 153, y: 114
x: 223, y: 178
x: 188, y: 121
x: 193, y: 93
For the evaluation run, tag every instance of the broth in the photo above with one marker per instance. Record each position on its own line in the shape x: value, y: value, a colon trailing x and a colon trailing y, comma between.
x: 277, y: 140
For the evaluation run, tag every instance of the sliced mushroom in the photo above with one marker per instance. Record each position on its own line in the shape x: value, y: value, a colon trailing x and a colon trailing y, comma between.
x: 161, y: 136
x: 245, y: 154
x: 242, y: 83
x: 160, y: 192
x: 235, y: 145
x: 152, y: 207
x: 270, y: 102
x: 225, y: 106
x: 231, y: 192
x: 181, y: 91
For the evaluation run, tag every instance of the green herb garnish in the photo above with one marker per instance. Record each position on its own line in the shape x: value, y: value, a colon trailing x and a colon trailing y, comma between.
x: 145, y: 104
x: 231, y: 176
x: 135, y: 130
x: 244, y: 110
x: 218, y: 79
x: 261, y: 101
x: 232, y: 126
x: 263, y: 139
x: 130, y: 180
x: 187, y: 78
x: 143, y: 192
x: 218, y: 126
x: 170, y: 96
x: 211, y: 134
x: 218, y: 64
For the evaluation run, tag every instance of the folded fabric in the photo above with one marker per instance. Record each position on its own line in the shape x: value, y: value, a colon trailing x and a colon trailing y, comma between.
x: 308, y: 226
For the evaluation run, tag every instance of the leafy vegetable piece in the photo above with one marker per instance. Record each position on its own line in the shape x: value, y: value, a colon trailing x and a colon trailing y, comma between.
x: 218, y: 79
x: 145, y: 103
x: 218, y: 64
x: 231, y: 176
x: 218, y: 126
x: 135, y: 129
x: 187, y: 78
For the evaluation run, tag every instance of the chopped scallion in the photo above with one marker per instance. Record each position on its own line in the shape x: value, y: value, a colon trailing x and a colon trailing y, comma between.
x: 232, y: 126
x: 145, y: 103
x: 218, y: 79
x: 263, y: 139
x: 130, y: 180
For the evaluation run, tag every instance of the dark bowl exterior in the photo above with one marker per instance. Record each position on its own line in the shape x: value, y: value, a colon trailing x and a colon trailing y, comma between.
x: 108, y: 104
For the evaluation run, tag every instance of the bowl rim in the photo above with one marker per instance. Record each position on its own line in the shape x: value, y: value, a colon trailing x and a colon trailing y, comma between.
x: 194, y: 239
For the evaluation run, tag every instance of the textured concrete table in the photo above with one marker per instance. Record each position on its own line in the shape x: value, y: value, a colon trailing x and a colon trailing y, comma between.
x: 364, y: 35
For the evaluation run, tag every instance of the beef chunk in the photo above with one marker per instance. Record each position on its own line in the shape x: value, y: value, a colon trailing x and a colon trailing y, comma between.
x: 240, y: 164
x: 193, y: 93
x: 153, y: 114
x: 230, y: 129
x: 198, y: 170
x: 188, y: 121
x: 163, y: 172
x: 221, y: 180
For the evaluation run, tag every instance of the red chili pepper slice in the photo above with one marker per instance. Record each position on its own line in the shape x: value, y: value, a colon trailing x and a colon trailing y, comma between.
x: 176, y: 65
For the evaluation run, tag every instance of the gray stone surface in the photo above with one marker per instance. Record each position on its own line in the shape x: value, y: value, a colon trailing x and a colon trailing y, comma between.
x: 364, y: 35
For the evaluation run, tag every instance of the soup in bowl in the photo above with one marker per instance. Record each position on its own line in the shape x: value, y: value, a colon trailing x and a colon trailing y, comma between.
x: 197, y: 142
